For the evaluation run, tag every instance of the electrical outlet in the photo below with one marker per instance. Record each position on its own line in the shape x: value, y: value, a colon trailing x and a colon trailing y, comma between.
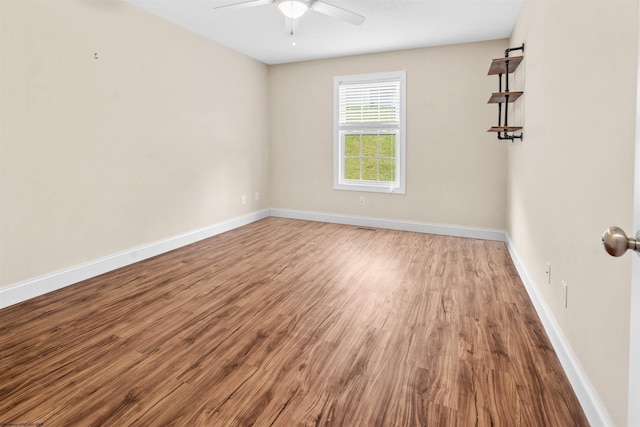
x: 243, y: 199
x: 257, y: 196
x: 361, y: 201
x: 547, y: 273
x: 565, y: 289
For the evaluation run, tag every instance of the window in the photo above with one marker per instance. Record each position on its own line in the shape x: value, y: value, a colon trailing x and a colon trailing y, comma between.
x: 369, y: 132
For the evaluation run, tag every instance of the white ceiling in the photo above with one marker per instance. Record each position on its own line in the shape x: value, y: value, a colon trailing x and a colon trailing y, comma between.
x: 259, y: 32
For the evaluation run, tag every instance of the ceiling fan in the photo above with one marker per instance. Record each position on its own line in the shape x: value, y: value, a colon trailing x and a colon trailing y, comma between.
x: 294, y: 9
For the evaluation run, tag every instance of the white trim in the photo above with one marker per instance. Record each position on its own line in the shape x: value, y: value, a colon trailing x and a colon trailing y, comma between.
x: 41, y: 285
x: 419, y: 227
x: 593, y: 408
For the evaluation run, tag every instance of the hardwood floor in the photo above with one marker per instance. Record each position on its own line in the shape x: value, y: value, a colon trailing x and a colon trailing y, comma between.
x: 285, y: 323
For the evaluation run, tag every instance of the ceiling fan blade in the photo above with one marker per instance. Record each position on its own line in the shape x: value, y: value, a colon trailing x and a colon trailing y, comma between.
x: 337, y: 12
x: 245, y: 4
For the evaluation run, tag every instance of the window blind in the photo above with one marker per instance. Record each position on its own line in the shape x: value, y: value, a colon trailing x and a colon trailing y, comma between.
x: 370, y: 103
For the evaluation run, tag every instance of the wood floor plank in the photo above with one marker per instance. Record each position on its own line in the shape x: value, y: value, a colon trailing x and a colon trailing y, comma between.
x: 286, y: 322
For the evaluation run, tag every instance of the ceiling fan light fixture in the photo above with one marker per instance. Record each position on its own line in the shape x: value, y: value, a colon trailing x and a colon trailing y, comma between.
x: 293, y: 9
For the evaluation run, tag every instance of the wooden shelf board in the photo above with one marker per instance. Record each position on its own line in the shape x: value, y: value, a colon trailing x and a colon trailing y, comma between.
x: 504, y: 128
x: 498, y: 65
x: 498, y: 97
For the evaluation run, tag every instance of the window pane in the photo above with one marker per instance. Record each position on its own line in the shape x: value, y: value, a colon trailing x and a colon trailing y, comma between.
x: 387, y: 145
x: 387, y: 170
x: 352, y: 145
x: 352, y: 168
x: 370, y: 157
x: 370, y: 145
x: 370, y: 169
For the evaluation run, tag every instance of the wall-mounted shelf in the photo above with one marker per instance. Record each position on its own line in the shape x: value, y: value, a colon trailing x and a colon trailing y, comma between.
x: 499, y: 65
x: 500, y: 97
x: 506, y: 66
x: 504, y: 128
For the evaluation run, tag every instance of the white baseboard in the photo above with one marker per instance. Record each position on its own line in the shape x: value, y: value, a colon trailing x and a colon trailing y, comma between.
x: 41, y: 285
x: 447, y: 230
x: 593, y: 408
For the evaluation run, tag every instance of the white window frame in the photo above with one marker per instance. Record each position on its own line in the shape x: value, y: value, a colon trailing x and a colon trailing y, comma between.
x: 339, y: 181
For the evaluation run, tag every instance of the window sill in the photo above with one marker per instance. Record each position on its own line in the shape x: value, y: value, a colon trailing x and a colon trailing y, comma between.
x: 373, y: 188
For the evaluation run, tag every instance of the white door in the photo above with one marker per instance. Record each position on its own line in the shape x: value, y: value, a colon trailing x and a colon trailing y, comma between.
x: 617, y: 245
x: 634, y: 344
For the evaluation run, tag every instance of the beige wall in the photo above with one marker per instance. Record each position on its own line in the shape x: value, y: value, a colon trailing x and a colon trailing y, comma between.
x: 455, y: 170
x: 159, y: 136
x: 572, y: 177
